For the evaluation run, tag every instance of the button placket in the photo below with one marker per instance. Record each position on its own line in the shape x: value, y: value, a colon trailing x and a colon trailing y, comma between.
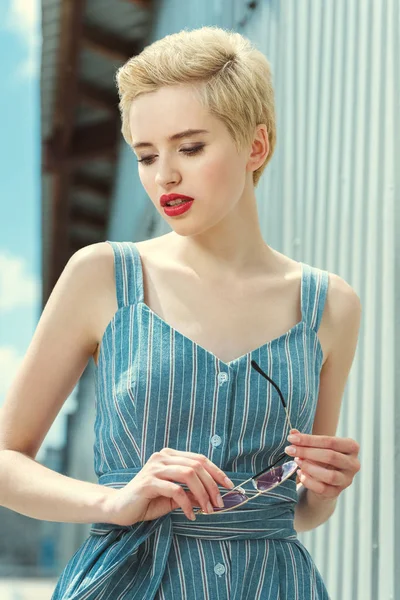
x: 217, y: 432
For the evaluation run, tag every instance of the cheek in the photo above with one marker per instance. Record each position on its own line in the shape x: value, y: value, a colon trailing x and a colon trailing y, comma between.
x: 221, y: 172
x: 147, y: 182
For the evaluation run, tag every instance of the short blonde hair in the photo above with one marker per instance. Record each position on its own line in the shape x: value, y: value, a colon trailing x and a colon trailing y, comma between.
x: 230, y: 77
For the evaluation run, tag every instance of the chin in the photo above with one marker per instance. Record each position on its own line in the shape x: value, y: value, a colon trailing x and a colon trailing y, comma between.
x: 186, y: 230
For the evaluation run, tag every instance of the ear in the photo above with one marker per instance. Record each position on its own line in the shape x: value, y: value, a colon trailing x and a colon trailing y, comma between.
x: 259, y: 148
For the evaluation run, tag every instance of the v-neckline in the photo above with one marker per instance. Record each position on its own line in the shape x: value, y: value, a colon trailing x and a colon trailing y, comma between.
x: 208, y: 352
x: 228, y: 364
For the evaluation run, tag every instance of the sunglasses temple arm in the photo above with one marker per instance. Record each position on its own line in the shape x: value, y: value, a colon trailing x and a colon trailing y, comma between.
x: 282, y: 400
x: 257, y: 368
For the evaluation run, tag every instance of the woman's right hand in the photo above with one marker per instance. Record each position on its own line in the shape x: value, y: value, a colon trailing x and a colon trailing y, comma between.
x: 152, y: 493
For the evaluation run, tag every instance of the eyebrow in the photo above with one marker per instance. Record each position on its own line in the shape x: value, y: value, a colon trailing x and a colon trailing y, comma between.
x: 176, y: 136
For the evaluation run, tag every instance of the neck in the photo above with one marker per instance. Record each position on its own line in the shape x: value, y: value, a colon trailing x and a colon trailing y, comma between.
x: 234, y: 246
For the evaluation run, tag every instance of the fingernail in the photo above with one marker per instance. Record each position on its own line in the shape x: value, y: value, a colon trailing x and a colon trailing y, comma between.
x: 290, y: 449
x: 293, y: 438
x: 220, y: 502
x: 209, y: 507
x: 228, y: 482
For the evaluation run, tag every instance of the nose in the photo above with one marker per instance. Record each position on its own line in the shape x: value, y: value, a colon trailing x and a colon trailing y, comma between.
x: 166, y: 174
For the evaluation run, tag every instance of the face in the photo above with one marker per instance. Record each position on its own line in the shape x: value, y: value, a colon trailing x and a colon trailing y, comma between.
x: 204, y: 166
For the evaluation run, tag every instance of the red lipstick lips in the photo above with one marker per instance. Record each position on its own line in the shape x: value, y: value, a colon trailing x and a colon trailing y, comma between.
x: 169, y: 197
x: 178, y: 209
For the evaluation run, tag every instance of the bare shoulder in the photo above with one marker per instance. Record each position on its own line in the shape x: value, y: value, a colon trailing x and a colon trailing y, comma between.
x: 100, y: 261
x: 89, y: 275
x: 343, y: 309
x: 95, y: 263
x: 94, y: 254
x: 100, y: 256
x: 342, y: 300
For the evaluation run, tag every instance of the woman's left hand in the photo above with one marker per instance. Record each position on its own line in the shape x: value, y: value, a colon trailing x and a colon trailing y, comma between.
x: 328, y: 463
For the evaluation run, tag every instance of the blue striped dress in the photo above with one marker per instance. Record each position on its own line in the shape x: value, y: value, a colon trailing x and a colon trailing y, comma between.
x: 157, y: 388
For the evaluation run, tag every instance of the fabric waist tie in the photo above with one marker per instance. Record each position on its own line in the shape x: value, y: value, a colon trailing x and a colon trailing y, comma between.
x: 268, y: 516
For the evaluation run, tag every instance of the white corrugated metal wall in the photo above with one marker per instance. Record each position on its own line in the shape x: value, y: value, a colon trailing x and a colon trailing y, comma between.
x: 331, y: 190
x: 328, y: 198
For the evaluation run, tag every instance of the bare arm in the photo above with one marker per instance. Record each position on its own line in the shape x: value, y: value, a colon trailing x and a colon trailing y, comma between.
x: 345, y: 309
x: 32, y: 489
x: 60, y: 349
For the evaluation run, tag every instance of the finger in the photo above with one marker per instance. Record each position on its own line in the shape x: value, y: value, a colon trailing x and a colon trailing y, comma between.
x: 330, y: 476
x: 339, y: 444
x: 211, y: 467
x: 191, y: 473
x: 351, y: 471
x: 176, y: 493
x: 201, y: 466
x: 193, y: 499
x: 328, y: 491
x: 326, y: 457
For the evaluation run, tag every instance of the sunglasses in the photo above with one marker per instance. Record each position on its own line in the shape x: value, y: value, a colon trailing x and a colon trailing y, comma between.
x: 264, y: 481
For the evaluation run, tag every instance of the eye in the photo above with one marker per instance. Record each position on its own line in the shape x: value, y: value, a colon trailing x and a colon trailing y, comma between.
x: 187, y: 151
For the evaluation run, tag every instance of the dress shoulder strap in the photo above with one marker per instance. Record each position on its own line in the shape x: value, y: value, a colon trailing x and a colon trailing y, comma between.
x: 128, y: 273
x: 314, y: 288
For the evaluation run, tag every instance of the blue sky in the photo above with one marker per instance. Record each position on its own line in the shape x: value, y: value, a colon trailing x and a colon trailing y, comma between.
x: 20, y: 203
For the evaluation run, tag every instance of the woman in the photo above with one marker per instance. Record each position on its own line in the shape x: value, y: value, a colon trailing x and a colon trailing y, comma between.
x: 210, y: 347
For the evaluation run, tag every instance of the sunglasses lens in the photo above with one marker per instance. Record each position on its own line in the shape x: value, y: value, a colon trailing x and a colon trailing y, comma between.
x: 276, y: 475
x: 266, y: 482
x: 231, y: 499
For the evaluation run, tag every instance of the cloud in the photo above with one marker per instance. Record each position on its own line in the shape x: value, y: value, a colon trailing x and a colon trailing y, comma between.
x: 24, y: 20
x: 18, y: 287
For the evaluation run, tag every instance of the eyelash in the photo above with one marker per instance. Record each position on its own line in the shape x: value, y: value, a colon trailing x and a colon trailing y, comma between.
x: 186, y: 151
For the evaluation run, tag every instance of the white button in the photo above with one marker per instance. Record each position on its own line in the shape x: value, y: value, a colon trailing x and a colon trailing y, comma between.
x: 219, y: 569
x: 222, y: 377
x: 216, y: 440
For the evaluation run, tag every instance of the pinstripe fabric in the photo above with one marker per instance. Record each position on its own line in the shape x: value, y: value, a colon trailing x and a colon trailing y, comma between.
x: 155, y: 388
